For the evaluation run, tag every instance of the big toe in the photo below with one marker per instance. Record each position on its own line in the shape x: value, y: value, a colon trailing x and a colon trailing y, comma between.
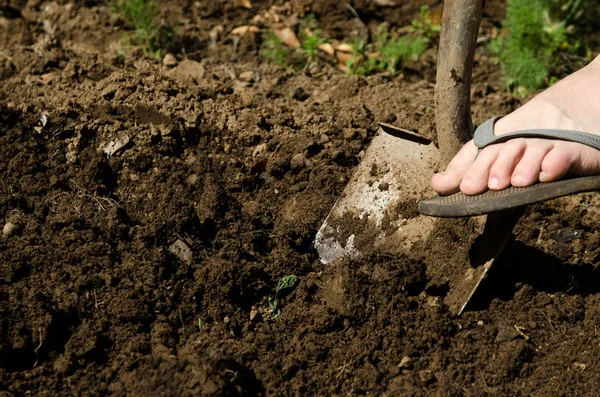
x: 448, y: 182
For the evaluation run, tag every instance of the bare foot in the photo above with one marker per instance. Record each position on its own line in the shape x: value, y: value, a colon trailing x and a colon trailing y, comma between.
x: 571, y: 104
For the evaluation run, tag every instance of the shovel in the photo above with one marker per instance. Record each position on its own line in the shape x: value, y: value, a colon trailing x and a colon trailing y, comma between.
x: 377, y: 210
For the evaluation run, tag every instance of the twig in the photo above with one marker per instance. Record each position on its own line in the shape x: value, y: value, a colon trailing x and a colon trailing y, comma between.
x: 521, y: 332
x: 37, y: 357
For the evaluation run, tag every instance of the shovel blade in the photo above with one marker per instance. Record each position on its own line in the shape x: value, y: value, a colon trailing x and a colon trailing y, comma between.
x: 377, y: 211
x: 378, y: 208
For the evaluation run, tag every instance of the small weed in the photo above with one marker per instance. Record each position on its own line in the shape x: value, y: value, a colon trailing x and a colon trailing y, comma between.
x: 286, y: 283
x: 303, y: 57
x: 534, y: 32
x: 382, y: 53
x: 200, y: 325
x: 275, y: 49
x: 311, y: 40
x: 425, y: 25
x: 385, y: 53
x: 143, y: 15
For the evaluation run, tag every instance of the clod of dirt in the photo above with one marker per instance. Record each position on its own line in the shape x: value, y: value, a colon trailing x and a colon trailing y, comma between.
x: 506, y: 333
x: 187, y: 72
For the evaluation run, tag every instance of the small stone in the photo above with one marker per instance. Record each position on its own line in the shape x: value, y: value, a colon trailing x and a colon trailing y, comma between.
x: 115, y: 145
x: 169, y: 60
x: 182, y: 251
x: 255, y: 315
x: 226, y: 320
x: 297, y: 162
x: 480, y: 323
x: 11, y: 229
x: 405, y: 362
x: 247, y: 76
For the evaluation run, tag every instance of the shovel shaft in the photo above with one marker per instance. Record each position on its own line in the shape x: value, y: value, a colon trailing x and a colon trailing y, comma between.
x: 458, y: 39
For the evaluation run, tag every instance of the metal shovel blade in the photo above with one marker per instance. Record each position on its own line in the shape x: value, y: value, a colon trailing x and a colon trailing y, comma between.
x: 378, y: 208
x: 377, y: 211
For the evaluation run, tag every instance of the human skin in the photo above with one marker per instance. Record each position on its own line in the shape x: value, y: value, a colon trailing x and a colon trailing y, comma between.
x: 571, y: 104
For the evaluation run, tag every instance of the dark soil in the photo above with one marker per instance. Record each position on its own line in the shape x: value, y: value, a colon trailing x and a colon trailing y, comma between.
x: 155, y: 208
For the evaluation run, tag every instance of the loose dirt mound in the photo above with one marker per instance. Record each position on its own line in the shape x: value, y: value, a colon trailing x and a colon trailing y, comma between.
x: 154, y: 209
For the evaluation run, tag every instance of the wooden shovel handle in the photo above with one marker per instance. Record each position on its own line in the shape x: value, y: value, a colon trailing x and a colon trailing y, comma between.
x: 458, y: 39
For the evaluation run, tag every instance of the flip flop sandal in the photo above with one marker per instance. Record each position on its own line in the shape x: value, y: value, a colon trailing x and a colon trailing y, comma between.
x: 459, y: 204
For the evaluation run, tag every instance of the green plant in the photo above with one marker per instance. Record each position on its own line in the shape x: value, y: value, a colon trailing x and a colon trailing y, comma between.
x: 424, y: 25
x: 143, y: 14
x: 394, y: 53
x: 534, y: 32
x: 301, y: 57
x: 275, y: 49
x: 200, y: 325
x: 385, y: 53
x: 286, y: 283
x: 310, y: 43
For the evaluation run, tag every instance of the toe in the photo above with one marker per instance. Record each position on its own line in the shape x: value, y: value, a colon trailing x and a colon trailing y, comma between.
x: 448, y: 182
x: 527, y: 171
x: 510, y: 154
x: 557, y: 163
x: 476, y: 178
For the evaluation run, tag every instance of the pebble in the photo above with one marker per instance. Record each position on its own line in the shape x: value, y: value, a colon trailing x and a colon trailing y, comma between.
x: 169, y: 60
x: 247, y: 76
x: 11, y: 229
x: 297, y: 162
x: 182, y: 251
x: 255, y: 315
x: 405, y: 362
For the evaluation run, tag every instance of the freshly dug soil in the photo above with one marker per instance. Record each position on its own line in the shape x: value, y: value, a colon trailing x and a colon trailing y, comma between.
x: 150, y: 211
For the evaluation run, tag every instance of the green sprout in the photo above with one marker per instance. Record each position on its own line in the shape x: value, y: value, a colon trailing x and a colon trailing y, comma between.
x: 275, y: 49
x: 286, y: 283
x: 143, y: 14
x: 534, y: 32
x: 424, y: 26
x: 390, y: 54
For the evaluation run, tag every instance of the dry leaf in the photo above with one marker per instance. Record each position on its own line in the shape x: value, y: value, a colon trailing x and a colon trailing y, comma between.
x: 242, y: 30
x: 288, y: 36
x: 246, y: 4
x: 343, y: 68
x: 385, y: 3
x: 344, y: 57
x: 327, y: 48
x: 344, y: 47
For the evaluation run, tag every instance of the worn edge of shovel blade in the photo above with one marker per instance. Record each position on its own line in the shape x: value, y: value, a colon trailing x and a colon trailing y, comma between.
x: 410, y: 155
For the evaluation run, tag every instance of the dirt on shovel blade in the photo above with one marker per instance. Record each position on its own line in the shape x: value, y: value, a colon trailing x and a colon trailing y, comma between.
x: 149, y: 211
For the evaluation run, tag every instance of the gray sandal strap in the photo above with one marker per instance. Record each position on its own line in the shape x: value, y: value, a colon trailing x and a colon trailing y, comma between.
x: 484, y: 135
